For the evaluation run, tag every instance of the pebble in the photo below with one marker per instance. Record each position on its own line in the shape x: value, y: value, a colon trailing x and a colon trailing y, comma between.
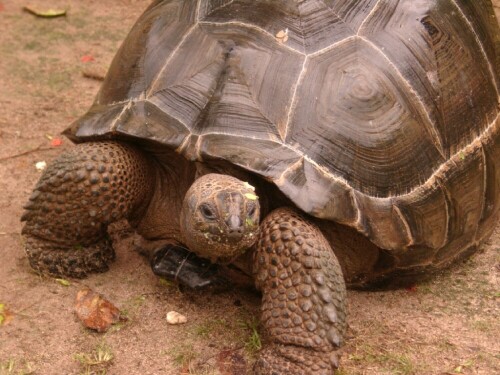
x: 173, y: 317
x: 41, y: 165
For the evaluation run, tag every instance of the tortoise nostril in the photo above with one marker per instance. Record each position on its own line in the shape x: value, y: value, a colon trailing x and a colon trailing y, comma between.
x: 234, y: 224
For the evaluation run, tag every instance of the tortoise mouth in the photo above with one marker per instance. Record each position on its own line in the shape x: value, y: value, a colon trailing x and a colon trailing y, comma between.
x: 223, y: 248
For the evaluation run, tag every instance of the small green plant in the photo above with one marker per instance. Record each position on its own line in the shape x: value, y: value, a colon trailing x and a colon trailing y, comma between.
x: 252, y: 342
x: 341, y: 371
x: 132, y: 306
x: 182, y: 355
x: 459, y: 369
x: 206, y: 328
x: 396, y: 363
x: 11, y: 367
x: 97, y: 360
x: 7, y: 367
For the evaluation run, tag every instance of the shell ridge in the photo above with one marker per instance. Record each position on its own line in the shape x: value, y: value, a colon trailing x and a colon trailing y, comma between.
x: 347, y: 24
x: 125, y: 108
x: 251, y: 26
x: 197, y: 14
x: 289, y: 116
x: 172, y: 54
x: 405, y: 225
x: 332, y: 46
x: 171, y: 115
x: 240, y: 136
x: 302, y: 31
x: 479, y: 43
x: 372, y: 12
x: 214, y: 9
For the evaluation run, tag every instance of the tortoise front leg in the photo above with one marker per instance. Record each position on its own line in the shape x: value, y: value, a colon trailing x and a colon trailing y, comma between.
x: 303, y: 305
x: 77, y: 197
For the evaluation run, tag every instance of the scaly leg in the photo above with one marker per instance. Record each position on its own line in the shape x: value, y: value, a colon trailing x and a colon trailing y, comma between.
x: 77, y: 197
x: 303, y: 304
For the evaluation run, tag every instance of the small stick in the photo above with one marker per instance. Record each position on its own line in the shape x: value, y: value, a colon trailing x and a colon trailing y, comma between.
x: 39, y: 148
x: 93, y: 74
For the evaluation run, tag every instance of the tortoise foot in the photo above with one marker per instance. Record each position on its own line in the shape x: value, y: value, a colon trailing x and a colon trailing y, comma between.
x: 293, y: 360
x: 303, y: 296
x: 77, y: 261
x: 177, y: 264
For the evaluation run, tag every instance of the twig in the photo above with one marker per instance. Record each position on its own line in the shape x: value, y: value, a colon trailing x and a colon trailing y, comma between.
x: 39, y: 148
x: 93, y: 73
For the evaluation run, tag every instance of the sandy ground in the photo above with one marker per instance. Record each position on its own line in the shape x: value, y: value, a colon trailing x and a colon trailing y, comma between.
x: 449, y: 325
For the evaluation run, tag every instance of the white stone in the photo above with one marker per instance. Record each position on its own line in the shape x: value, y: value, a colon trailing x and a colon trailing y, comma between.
x: 173, y: 317
x: 41, y: 165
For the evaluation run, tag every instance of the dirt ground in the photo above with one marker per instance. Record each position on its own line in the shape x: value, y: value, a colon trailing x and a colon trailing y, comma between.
x: 449, y: 325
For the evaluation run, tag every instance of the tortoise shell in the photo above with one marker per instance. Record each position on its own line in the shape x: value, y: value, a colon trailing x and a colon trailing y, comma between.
x: 380, y: 115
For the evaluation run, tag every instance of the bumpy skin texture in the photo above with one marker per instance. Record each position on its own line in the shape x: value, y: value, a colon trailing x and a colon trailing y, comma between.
x: 303, y: 305
x: 84, y: 190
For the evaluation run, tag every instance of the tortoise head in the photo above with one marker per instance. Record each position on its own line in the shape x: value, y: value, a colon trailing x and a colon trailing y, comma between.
x: 220, y: 217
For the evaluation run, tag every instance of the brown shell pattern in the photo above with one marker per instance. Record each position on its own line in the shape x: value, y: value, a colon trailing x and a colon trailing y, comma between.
x: 382, y: 115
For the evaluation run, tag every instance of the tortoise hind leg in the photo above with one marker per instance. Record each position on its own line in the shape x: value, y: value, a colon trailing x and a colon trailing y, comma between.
x: 303, y: 305
x: 77, y: 197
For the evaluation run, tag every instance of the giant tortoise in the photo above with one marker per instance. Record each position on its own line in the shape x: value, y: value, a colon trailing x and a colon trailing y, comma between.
x: 304, y: 143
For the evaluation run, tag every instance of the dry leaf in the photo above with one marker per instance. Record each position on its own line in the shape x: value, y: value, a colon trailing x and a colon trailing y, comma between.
x: 282, y: 36
x: 49, y: 13
x: 95, y: 311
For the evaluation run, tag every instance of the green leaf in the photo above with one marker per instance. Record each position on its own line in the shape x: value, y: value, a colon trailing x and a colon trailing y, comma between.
x: 63, y: 282
x: 248, y: 186
x: 251, y: 196
x: 249, y: 222
x: 49, y: 13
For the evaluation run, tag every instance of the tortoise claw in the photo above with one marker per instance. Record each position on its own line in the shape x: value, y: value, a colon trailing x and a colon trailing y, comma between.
x: 175, y: 263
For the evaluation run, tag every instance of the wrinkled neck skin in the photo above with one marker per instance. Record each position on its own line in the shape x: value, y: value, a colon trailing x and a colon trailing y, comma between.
x: 219, y: 217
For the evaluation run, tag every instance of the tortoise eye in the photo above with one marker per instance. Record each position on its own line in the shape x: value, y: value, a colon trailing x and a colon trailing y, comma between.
x: 207, y: 211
